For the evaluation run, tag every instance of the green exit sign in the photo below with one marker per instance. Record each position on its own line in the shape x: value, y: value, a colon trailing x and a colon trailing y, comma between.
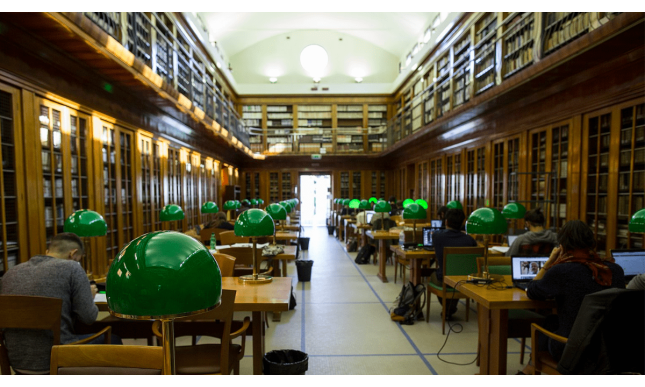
x: 316, y: 157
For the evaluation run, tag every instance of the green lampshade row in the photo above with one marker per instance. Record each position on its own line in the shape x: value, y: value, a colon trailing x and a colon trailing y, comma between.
x: 170, y: 213
x: 637, y: 223
x: 364, y: 205
x: 86, y: 223
x: 414, y: 211
x: 276, y: 211
x: 163, y: 274
x: 486, y: 221
x: 245, y: 202
x: 254, y: 223
x: 354, y: 203
x: 346, y: 202
x: 514, y: 211
x: 229, y: 205
x: 454, y: 205
x: 210, y: 208
x: 422, y: 203
x: 382, y: 206
x: 407, y: 202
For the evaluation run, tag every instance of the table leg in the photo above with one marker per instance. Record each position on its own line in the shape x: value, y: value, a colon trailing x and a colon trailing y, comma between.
x: 499, y: 341
x: 483, y: 317
x: 381, y: 256
x: 363, y: 238
x: 258, y: 342
x: 415, y: 271
x: 276, y: 268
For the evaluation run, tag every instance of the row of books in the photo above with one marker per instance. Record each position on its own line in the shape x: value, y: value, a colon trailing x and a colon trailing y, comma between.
x: 278, y: 116
x: 626, y: 136
x: 282, y: 123
x: 252, y: 108
x: 248, y: 122
x: 350, y: 108
x: 521, y: 59
x: 278, y: 108
x: 314, y: 108
x: 253, y: 115
x: 351, y: 115
x: 318, y: 115
x: 565, y: 31
x: 522, y: 33
x: 377, y: 108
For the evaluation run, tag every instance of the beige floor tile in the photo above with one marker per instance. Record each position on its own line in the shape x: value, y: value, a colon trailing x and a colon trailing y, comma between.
x: 367, y: 365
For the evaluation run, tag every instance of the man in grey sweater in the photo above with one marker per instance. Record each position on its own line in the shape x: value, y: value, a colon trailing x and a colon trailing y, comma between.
x: 57, y: 274
x: 534, y: 220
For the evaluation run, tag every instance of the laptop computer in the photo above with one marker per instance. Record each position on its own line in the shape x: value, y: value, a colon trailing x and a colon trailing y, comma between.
x: 436, y: 223
x: 524, y: 269
x: 368, y: 216
x: 427, y: 238
x: 632, y: 261
x: 511, y: 239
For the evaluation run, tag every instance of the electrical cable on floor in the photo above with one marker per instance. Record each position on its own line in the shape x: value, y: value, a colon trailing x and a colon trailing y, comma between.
x: 452, y: 328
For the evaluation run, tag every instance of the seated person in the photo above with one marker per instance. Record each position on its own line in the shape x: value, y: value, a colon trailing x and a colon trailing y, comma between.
x: 361, y: 218
x: 572, y: 271
x: 450, y: 237
x: 56, y: 274
x: 536, y: 235
x: 637, y: 283
x: 395, y: 209
x: 378, y: 216
x: 441, y: 213
x: 219, y: 222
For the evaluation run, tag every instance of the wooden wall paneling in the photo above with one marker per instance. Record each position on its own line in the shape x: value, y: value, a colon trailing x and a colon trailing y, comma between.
x: 12, y: 190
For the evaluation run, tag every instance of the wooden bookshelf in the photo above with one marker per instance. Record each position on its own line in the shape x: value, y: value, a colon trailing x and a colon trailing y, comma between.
x: 485, y: 41
x: 560, y: 28
x: 280, y: 125
x: 422, y: 181
x: 443, y: 85
x: 475, y: 179
x: 437, y: 191
x: 315, y: 127
x: 505, y: 173
x: 377, y: 127
x: 378, y: 184
x: 175, y: 192
x: 462, y: 71
x: 454, y: 186
x: 518, y: 42
x: 344, y: 185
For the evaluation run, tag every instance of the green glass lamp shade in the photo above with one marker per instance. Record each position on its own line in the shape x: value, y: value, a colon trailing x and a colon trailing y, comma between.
x: 210, y: 208
x: 346, y: 202
x: 382, y: 206
x: 276, y: 211
x: 295, y: 200
x: 229, y: 205
x: 254, y: 202
x: 238, y: 204
x: 245, y: 202
x: 486, y: 221
x: 364, y: 205
x: 414, y: 211
x: 407, y: 202
x: 354, y: 203
x: 454, y: 204
x: 514, y: 211
x: 171, y: 212
x: 637, y: 223
x: 86, y: 223
x: 163, y: 274
x: 254, y: 223
x: 422, y: 203
x: 260, y: 201
x: 373, y: 200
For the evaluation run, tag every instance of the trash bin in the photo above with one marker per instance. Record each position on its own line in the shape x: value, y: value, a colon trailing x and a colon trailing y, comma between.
x: 285, y: 362
x: 304, y: 270
x: 330, y: 230
x: 304, y: 243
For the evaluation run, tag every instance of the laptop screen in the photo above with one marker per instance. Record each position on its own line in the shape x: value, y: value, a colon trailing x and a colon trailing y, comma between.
x: 632, y: 261
x: 511, y: 239
x: 427, y: 236
x: 368, y: 216
x: 525, y: 268
x: 436, y: 223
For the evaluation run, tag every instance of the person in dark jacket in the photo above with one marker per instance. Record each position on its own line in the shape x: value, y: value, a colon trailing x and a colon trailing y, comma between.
x: 219, y: 222
x: 394, y: 208
x: 450, y: 237
x: 572, y: 271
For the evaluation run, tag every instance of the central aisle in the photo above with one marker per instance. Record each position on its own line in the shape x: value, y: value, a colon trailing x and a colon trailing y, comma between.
x: 342, y: 321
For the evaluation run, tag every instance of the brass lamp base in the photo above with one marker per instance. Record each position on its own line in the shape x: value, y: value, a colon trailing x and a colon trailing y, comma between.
x: 484, y: 279
x: 255, y: 279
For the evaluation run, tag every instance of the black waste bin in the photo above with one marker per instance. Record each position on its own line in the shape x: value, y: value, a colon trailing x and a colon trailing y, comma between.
x: 304, y: 243
x: 330, y: 230
x: 304, y: 269
x: 285, y: 362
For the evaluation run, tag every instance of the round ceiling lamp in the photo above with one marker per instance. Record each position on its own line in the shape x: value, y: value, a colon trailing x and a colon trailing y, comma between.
x: 313, y: 59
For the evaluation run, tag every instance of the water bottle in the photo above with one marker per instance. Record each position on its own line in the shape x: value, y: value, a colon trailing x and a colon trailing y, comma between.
x: 213, y: 241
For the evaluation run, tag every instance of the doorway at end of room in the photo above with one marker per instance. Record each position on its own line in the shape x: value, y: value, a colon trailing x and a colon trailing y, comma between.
x: 315, y: 195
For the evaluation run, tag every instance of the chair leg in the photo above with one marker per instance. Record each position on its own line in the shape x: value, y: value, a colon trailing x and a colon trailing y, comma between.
x: 443, y: 314
x: 428, y: 294
x: 396, y: 267
x: 403, y: 272
x: 522, y: 343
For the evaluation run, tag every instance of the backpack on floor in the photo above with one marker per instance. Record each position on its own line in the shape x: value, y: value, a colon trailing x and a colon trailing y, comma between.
x: 405, y: 309
x: 352, y: 245
x: 364, y: 254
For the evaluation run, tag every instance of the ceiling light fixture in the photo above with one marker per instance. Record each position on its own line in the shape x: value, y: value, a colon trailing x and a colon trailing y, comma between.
x: 316, y: 80
x: 358, y: 79
x: 273, y: 79
x: 314, y: 58
x: 420, y: 68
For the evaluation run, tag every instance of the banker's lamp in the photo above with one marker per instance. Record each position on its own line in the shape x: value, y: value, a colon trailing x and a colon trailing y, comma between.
x: 485, y: 221
x: 254, y: 223
x: 246, y: 203
x: 381, y: 207
x: 171, y: 213
x: 254, y: 202
x: 86, y: 224
x: 373, y: 200
x: 354, y: 203
x: 260, y: 202
x: 228, y: 206
x: 415, y: 212
x: 210, y: 208
x: 514, y: 211
x: 278, y: 213
x: 422, y: 203
x: 163, y: 275
x: 364, y: 205
x: 407, y: 202
x: 637, y: 223
x: 454, y: 204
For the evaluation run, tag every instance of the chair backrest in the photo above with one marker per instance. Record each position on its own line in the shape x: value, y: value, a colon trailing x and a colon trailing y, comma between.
x: 205, y: 234
x: 226, y: 264
x: 229, y: 238
x: 607, y: 335
x: 106, y: 360
x: 496, y: 265
x: 461, y: 260
x: 243, y: 255
x: 28, y: 312
x: 536, y: 249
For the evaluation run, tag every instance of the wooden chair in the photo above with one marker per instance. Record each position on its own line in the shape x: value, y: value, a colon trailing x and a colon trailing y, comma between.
x: 228, y: 238
x: 31, y: 312
x: 226, y: 264
x: 205, y: 235
x: 244, y: 260
x: 519, y: 320
x: 106, y: 360
x: 203, y: 359
x: 405, y: 264
x: 456, y: 261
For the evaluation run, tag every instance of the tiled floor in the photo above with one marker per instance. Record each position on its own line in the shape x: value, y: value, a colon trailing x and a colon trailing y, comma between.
x: 342, y: 321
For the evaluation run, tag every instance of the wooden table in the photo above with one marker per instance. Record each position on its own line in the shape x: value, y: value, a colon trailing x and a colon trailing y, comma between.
x: 346, y: 226
x: 492, y: 313
x: 363, y: 228
x: 289, y: 227
x: 286, y: 235
x: 382, y: 236
x: 257, y: 299
x: 416, y: 257
x: 341, y: 226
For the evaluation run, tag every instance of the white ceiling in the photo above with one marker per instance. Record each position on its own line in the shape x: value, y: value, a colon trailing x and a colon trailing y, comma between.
x: 265, y: 44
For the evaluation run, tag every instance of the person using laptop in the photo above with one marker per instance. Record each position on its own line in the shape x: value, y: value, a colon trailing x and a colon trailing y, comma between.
x: 537, y: 236
x: 450, y: 237
x: 637, y: 283
x: 572, y: 271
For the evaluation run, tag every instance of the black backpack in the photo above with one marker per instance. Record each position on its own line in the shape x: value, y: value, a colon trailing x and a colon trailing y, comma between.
x: 408, y: 306
x: 364, y: 254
